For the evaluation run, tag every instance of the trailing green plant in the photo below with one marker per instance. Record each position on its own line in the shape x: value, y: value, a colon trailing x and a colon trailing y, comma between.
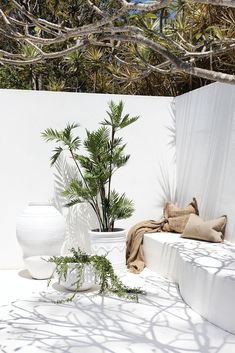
x: 104, y: 155
x: 105, y: 277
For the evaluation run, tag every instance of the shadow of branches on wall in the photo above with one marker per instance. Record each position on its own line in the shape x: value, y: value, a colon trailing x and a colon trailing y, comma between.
x: 79, y: 218
x: 167, y: 165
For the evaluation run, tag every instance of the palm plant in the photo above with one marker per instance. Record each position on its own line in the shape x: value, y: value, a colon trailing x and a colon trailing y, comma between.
x: 104, y: 155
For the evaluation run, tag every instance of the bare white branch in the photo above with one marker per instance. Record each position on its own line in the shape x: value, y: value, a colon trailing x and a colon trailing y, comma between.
x: 176, y: 54
x: 145, y: 7
x: 229, y: 3
x: 95, y: 8
x: 5, y: 19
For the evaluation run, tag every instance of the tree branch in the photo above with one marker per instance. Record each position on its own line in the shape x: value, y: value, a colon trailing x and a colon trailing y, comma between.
x: 178, y: 64
x: 146, y: 7
x: 95, y: 8
x: 229, y: 3
x: 179, y: 55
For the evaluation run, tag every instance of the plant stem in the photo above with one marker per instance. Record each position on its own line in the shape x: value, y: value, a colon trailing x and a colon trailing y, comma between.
x: 94, y: 202
x: 102, y: 197
x: 110, y: 169
x: 96, y: 210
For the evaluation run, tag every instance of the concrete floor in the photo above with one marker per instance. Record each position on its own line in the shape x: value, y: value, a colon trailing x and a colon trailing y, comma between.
x: 160, y: 322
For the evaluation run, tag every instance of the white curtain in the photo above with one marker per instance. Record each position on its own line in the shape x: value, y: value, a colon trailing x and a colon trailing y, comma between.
x: 205, y: 151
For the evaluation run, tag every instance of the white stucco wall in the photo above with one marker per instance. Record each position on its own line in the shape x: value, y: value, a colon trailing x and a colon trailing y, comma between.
x: 25, y: 173
x: 205, y: 144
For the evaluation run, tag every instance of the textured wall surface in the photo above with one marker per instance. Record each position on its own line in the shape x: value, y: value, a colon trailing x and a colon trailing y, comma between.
x: 205, y: 144
x: 149, y: 177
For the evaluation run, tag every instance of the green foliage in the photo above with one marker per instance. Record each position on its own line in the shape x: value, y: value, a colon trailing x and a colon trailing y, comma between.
x: 120, y: 207
x: 64, y: 137
x: 104, y: 155
x: 105, y: 277
x: 14, y: 77
x: 193, y: 26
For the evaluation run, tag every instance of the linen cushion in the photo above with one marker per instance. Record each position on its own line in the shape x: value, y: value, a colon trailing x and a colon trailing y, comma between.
x: 171, y: 210
x: 211, y: 230
x: 177, y: 217
x: 176, y: 224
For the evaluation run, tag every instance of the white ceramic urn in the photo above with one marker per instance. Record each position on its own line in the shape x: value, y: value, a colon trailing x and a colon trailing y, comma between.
x: 112, y: 244
x: 40, y: 231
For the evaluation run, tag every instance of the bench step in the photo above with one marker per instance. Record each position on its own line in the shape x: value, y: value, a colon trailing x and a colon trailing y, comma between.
x: 204, y: 272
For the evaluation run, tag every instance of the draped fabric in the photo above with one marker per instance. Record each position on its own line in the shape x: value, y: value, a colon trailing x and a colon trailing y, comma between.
x: 174, y: 220
x: 134, y: 245
x: 205, y: 151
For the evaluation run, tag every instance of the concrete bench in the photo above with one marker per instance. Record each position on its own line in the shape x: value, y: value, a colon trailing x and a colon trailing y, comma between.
x: 204, y: 272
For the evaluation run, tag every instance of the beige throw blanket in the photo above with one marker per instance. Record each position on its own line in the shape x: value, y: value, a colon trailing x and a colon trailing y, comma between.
x: 174, y: 220
x: 134, y: 250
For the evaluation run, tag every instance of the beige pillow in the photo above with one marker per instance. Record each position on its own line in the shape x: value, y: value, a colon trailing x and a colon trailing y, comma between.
x: 176, y: 224
x: 177, y: 217
x: 172, y: 210
x: 212, y: 230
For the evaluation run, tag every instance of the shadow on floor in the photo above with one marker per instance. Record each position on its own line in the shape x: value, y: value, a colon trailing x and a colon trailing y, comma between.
x: 159, y: 323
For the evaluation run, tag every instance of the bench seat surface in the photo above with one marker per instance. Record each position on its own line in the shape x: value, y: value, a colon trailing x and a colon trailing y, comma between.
x: 205, y: 273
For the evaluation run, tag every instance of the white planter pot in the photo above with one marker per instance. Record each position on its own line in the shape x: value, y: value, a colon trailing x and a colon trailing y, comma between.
x: 112, y: 244
x: 40, y: 231
x: 87, y: 280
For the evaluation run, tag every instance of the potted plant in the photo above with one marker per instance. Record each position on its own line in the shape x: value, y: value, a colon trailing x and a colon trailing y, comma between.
x: 80, y: 271
x: 103, y: 156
